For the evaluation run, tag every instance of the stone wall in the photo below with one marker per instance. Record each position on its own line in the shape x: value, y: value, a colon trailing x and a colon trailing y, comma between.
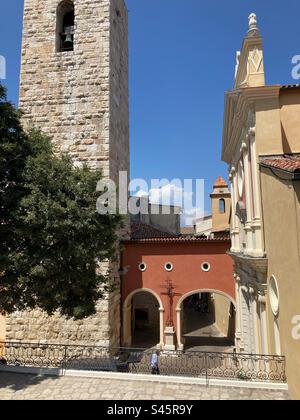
x: 2, y: 327
x: 80, y: 99
x: 222, y: 307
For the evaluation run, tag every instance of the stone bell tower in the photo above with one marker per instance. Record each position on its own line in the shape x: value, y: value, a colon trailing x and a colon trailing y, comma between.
x: 74, y: 78
x: 74, y: 87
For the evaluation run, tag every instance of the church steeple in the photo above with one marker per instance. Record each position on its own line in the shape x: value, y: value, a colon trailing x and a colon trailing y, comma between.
x: 250, y: 64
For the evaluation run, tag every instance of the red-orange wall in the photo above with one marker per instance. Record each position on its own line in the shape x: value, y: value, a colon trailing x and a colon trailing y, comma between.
x: 187, y: 274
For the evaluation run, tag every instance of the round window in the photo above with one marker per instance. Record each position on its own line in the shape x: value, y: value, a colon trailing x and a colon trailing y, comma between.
x: 142, y: 267
x: 205, y: 266
x: 169, y: 266
x: 274, y: 295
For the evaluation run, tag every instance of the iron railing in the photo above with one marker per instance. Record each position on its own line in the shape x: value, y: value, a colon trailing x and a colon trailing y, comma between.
x: 231, y: 365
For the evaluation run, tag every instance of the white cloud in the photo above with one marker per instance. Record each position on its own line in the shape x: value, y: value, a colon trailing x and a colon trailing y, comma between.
x: 173, y: 194
x: 169, y: 195
x: 189, y: 215
x: 142, y: 193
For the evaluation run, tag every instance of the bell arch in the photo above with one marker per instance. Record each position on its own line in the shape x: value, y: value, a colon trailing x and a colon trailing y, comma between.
x: 65, y: 26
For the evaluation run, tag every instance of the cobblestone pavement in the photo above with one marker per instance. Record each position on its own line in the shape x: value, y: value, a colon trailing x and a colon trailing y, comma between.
x: 31, y: 387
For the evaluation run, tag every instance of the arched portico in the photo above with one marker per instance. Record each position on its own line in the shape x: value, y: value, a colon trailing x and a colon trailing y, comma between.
x: 127, y: 317
x: 179, y: 309
x: 198, y: 265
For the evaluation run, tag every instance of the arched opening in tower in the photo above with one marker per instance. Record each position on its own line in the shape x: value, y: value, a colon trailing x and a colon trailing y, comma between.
x: 65, y: 26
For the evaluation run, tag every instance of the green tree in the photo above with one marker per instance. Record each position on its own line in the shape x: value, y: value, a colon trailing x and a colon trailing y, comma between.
x: 52, y: 239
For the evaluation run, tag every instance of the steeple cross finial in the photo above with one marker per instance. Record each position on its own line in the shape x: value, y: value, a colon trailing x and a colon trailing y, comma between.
x: 253, y: 27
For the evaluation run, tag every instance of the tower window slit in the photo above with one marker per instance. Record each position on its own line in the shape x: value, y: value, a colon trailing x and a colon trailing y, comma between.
x: 222, y: 208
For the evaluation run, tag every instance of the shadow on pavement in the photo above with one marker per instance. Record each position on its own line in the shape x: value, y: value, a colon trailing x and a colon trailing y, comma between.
x: 18, y: 382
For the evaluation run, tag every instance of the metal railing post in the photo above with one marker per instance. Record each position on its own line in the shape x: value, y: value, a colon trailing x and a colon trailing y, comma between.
x: 64, y: 364
x: 206, y: 370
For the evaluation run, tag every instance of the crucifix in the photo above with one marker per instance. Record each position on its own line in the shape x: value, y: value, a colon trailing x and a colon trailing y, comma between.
x: 171, y: 294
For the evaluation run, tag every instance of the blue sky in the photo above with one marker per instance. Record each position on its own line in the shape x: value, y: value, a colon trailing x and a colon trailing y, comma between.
x: 182, y: 58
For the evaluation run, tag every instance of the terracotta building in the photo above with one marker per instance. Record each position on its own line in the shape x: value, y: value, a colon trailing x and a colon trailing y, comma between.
x: 261, y: 144
x: 167, y: 276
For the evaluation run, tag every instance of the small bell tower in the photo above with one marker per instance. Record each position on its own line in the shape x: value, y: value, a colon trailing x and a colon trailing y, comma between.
x: 221, y: 205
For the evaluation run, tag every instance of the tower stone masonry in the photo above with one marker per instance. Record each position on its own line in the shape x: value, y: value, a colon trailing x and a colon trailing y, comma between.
x: 74, y: 87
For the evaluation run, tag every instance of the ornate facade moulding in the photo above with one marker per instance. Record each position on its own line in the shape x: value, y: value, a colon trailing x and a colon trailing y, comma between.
x: 241, y: 212
x: 251, y: 286
x: 259, y: 265
x: 244, y: 146
x: 262, y: 299
x: 232, y: 172
x: 251, y: 132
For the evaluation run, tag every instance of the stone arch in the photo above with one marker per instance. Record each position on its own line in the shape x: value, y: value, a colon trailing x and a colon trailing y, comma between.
x: 179, y: 309
x: 127, y: 305
x: 204, y: 291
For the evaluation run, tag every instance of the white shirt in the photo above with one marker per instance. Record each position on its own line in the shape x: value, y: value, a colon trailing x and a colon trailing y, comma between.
x: 154, y: 360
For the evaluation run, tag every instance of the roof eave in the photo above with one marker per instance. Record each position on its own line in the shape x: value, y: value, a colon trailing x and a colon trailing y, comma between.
x: 176, y: 240
x: 288, y: 175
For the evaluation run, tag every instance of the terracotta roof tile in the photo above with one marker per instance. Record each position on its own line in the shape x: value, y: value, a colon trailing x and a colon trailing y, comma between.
x: 188, y: 230
x: 141, y: 233
x: 285, y: 87
x: 182, y: 239
x: 144, y: 231
x: 220, y: 182
x: 288, y: 163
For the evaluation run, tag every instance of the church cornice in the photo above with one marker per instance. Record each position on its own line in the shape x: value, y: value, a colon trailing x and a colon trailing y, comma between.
x: 239, y: 105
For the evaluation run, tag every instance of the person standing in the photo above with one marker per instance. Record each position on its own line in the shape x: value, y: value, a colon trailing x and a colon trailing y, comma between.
x: 154, y: 363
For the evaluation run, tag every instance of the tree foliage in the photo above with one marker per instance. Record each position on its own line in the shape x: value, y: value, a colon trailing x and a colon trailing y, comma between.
x: 51, y: 237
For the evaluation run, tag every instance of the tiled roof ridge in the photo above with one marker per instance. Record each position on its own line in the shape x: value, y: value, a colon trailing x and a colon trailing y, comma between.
x: 220, y: 182
x: 286, y: 162
x: 144, y: 231
x: 181, y: 239
x: 291, y: 86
